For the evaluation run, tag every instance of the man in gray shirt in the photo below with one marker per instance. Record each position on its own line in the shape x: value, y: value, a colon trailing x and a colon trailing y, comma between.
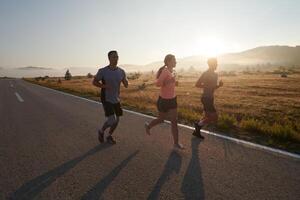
x: 109, y: 80
x: 209, y: 82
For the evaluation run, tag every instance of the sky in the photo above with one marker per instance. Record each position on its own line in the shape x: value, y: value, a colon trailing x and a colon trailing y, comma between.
x: 79, y: 33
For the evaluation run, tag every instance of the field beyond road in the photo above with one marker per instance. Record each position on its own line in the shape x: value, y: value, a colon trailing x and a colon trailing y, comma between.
x: 262, y: 108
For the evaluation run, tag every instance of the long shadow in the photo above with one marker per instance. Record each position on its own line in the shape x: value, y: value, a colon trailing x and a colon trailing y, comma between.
x: 192, y: 185
x: 35, y: 186
x: 99, y: 188
x: 172, y: 165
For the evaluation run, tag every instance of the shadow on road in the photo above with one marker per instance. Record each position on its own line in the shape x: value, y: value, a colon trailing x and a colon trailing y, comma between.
x: 99, y: 188
x: 172, y: 165
x: 192, y: 185
x: 35, y: 186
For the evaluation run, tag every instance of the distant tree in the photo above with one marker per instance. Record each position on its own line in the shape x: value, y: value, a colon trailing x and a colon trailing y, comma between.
x: 68, y: 75
x: 89, y: 75
x: 142, y: 86
x: 284, y: 75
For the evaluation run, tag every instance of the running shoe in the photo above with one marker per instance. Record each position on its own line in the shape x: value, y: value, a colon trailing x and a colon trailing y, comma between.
x: 110, y: 140
x: 178, y: 146
x: 147, y: 128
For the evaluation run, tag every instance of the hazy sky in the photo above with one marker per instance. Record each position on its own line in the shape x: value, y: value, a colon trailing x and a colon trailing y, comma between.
x: 60, y: 33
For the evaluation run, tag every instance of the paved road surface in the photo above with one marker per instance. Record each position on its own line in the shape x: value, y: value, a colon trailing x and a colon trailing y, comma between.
x: 49, y: 150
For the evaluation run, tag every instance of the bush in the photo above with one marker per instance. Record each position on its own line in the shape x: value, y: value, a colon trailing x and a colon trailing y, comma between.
x: 68, y: 75
x: 37, y: 78
x: 279, y: 131
x: 133, y: 76
x: 251, y: 125
x: 276, y: 130
x: 142, y: 86
x: 89, y: 75
x: 226, y: 122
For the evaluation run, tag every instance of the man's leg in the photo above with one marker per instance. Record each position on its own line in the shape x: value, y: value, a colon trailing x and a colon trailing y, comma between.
x: 105, y: 125
x: 202, y: 122
x: 111, y: 123
x: 114, y: 125
x: 213, y: 117
x: 205, y: 120
x: 108, y: 123
x: 109, y: 114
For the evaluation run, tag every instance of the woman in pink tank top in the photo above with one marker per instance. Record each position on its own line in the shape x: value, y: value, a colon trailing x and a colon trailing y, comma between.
x: 167, y: 100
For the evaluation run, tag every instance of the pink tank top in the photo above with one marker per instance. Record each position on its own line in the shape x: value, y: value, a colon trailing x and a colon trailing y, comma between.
x: 167, y: 90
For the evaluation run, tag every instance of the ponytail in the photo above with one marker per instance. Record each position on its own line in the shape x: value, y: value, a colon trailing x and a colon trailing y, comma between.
x: 159, y: 71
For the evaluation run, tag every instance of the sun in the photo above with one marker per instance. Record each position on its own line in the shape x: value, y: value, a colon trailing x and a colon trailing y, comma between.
x: 211, y: 46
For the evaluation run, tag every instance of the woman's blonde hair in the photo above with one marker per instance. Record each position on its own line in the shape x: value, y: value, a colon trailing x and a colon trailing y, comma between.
x: 167, y: 59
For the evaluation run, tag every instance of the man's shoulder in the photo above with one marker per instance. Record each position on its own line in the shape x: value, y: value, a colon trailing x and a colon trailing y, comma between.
x: 104, y: 68
x: 101, y: 69
x: 205, y: 73
x: 120, y: 68
x: 209, y: 72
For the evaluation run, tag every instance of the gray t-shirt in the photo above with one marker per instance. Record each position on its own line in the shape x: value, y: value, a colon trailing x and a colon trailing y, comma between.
x: 113, y: 78
x: 210, y: 81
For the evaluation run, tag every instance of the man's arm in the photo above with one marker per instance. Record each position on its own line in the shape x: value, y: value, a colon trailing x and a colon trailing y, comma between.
x: 199, y: 83
x: 98, y: 77
x: 220, y: 84
x: 125, y: 80
x: 98, y: 84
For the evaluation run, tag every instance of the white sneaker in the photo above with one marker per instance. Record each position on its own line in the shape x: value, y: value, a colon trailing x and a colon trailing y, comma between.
x: 178, y: 146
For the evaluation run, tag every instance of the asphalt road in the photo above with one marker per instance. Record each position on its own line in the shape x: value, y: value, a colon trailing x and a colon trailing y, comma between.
x: 49, y: 150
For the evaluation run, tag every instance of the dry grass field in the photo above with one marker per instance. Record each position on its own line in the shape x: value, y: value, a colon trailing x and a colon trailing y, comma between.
x: 262, y: 108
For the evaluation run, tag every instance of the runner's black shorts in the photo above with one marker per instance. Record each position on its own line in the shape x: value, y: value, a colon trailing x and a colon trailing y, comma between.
x: 208, y: 104
x: 164, y: 105
x: 112, y: 109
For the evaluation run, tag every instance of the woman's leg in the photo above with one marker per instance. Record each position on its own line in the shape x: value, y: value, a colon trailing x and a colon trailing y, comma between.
x: 154, y: 122
x: 174, y: 125
x: 158, y: 120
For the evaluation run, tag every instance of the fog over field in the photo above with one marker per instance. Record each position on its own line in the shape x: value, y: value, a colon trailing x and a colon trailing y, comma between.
x: 260, y: 58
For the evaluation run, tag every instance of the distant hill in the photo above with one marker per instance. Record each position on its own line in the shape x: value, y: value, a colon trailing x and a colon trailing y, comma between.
x: 34, y: 68
x: 275, y: 55
x: 263, y: 57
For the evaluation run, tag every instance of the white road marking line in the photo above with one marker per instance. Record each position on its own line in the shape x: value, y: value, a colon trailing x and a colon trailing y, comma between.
x: 235, y: 140
x: 19, y: 97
